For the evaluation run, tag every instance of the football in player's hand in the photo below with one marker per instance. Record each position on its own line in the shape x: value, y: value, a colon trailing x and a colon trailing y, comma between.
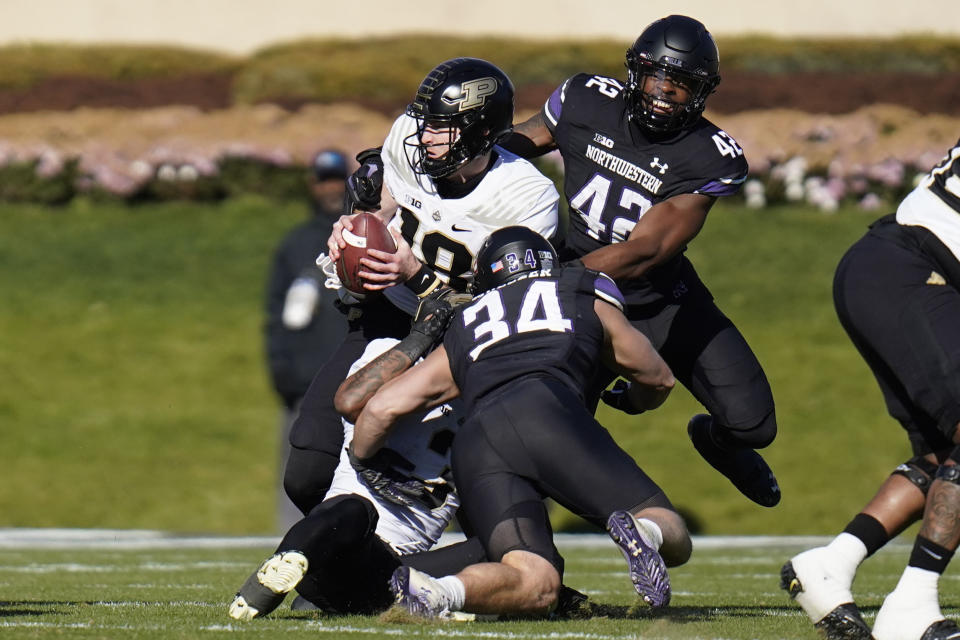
x: 369, y: 232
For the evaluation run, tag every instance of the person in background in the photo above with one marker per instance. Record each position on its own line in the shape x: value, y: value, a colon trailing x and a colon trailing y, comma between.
x: 303, y: 326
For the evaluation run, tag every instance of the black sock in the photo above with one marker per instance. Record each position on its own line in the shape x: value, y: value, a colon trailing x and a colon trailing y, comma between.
x: 929, y: 555
x: 869, y: 531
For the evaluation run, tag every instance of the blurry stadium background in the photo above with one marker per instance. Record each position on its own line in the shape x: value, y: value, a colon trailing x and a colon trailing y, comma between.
x: 152, y: 154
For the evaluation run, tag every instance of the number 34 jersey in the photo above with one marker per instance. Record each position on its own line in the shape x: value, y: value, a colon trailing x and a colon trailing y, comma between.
x: 614, y: 172
x: 445, y: 233
x: 540, y: 324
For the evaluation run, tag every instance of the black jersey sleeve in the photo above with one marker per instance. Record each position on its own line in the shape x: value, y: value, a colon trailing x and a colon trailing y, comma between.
x: 707, y: 161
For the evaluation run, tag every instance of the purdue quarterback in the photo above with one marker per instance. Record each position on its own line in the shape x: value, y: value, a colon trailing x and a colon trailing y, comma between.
x: 448, y: 185
x: 643, y: 167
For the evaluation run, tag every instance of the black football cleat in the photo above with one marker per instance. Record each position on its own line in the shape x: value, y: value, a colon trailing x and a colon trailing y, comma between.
x: 942, y: 630
x: 745, y: 468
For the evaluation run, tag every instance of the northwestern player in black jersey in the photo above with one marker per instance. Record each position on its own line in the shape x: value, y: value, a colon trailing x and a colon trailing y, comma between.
x: 448, y: 185
x: 642, y: 170
x: 520, y: 356
x: 897, y: 293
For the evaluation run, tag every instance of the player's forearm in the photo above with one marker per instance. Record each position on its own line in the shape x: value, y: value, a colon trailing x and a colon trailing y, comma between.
x: 530, y: 139
x: 624, y: 260
x: 370, y: 431
x: 356, y: 391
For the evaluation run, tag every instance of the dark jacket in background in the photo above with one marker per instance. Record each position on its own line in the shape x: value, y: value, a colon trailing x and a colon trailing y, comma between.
x: 294, y: 356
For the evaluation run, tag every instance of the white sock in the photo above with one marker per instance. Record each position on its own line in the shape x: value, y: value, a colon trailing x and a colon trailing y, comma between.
x: 920, y: 584
x: 454, y: 591
x: 650, y: 532
x: 910, y: 608
x: 847, y: 551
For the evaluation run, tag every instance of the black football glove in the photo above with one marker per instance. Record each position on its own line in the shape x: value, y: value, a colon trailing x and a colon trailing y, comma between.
x: 434, y: 314
x: 383, y: 475
x: 619, y: 399
x: 364, y: 184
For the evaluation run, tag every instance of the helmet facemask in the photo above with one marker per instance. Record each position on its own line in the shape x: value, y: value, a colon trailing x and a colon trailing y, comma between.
x: 466, y: 139
x: 656, y: 111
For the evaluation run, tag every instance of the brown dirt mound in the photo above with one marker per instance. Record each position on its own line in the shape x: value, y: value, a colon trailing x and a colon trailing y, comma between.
x: 739, y: 91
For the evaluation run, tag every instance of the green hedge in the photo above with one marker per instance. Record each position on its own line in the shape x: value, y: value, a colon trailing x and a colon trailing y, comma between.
x: 383, y: 69
x: 22, y: 66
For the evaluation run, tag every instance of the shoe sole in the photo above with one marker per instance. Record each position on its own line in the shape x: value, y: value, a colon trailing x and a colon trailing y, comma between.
x: 770, y: 497
x: 842, y: 623
x: 648, y: 572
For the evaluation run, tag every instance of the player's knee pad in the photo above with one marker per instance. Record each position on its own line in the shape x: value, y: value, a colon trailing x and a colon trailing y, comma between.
x: 755, y: 436
x: 951, y: 473
x: 919, y: 471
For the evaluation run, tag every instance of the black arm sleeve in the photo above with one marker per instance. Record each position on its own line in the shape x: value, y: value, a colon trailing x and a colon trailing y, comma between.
x: 522, y: 146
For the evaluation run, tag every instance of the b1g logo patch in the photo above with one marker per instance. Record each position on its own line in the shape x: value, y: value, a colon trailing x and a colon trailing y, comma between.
x: 473, y: 93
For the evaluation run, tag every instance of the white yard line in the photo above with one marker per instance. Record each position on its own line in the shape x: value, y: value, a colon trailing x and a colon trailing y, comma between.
x: 22, y: 538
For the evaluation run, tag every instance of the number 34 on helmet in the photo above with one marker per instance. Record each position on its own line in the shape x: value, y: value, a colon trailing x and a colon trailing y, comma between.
x: 510, y: 253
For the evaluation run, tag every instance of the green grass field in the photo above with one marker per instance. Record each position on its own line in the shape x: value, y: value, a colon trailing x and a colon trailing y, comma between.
x: 725, y: 592
x: 133, y: 392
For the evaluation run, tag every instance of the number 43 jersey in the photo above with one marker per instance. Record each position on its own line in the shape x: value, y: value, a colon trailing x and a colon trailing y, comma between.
x: 543, y: 324
x: 445, y: 233
x: 614, y: 171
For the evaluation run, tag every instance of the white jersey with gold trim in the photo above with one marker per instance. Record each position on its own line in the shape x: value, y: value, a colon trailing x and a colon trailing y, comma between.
x: 424, y: 440
x: 445, y: 233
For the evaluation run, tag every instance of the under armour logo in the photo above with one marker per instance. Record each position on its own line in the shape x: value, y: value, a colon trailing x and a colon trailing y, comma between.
x: 656, y: 165
x: 473, y: 93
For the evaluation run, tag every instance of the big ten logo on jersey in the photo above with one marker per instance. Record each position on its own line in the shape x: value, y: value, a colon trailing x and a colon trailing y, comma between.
x: 473, y: 93
x: 413, y: 202
x: 607, y: 86
x: 539, y: 310
x: 448, y: 258
x: 726, y: 145
x: 601, y: 139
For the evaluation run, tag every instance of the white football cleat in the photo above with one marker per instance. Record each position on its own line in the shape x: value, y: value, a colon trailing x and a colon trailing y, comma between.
x: 824, y: 594
x: 266, y: 588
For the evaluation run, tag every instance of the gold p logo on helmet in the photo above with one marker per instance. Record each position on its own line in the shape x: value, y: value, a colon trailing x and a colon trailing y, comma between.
x: 473, y: 93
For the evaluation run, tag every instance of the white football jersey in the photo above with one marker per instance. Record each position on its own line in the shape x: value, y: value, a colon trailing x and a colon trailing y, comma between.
x: 424, y: 440
x: 445, y: 234
x: 935, y: 203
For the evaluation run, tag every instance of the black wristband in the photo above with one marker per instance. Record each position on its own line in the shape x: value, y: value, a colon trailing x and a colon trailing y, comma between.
x: 423, y: 281
x: 414, y: 345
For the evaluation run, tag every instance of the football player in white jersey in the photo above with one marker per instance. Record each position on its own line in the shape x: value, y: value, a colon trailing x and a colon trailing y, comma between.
x: 897, y: 293
x: 340, y: 557
x: 448, y: 185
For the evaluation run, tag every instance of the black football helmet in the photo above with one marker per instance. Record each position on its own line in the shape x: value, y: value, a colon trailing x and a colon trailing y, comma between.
x: 682, y: 49
x: 507, y: 254
x: 469, y: 95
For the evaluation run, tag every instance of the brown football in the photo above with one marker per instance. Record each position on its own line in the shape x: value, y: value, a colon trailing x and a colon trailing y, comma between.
x: 369, y: 232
